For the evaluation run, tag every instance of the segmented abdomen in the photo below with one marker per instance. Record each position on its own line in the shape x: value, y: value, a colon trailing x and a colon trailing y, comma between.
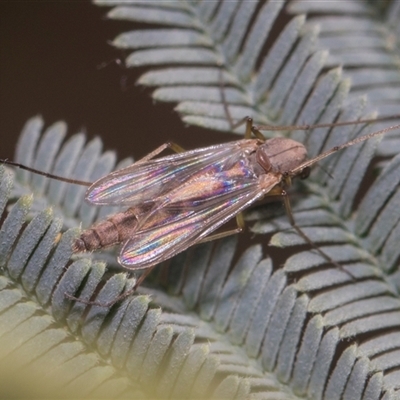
x: 114, y: 230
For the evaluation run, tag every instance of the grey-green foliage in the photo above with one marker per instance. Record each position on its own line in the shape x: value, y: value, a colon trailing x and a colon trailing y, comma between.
x: 221, y: 328
x: 364, y: 39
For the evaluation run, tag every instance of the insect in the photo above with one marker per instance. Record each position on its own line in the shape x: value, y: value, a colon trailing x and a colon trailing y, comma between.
x: 180, y: 200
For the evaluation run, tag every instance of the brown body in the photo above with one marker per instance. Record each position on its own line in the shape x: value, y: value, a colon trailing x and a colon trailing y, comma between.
x: 114, y: 230
x: 176, y: 201
x: 180, y: 200
x: 194, y: 201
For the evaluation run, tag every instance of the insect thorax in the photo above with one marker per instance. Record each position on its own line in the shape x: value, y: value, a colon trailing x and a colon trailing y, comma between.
x: 280, y: 155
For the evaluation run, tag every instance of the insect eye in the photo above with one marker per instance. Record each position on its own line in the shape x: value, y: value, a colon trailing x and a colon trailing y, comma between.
x: 305, y: 173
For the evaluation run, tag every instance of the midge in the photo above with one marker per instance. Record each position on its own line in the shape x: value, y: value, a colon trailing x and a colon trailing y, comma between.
x: 179, y: 200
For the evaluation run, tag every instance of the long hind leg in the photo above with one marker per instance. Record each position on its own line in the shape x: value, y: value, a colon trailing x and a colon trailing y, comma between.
x: 169, y: 145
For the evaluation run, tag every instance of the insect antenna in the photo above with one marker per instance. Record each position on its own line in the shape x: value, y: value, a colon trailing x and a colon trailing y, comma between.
x: 298, y: 170
x: 307, y: 127
x: 256, y: 129
x: 335, y: 149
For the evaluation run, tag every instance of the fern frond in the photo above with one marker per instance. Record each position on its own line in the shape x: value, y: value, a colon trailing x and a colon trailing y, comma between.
x: 224, y: 39
x: 134, y: 336
x: 261, y: 331
x: 224, y: 328
x: 362, y: 39
x: 205, y: 40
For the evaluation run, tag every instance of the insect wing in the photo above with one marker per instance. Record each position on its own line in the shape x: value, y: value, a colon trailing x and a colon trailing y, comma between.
x: 190, y: 220
x: 143, y: 183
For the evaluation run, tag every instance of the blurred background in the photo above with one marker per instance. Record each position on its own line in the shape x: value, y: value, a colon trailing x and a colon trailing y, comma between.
x: 56, y: 62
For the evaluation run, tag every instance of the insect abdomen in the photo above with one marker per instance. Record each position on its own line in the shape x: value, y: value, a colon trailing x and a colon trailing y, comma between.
x: 114, y: 230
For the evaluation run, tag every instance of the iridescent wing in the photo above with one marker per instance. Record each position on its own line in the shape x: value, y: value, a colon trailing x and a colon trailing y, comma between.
x: 143, y: 183
x: 192, y: 212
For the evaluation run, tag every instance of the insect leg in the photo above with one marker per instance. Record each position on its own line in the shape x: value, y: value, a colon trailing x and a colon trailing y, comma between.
x: 143, y: 276
x: 225, y: 104
x: 122, y: 296
x: 46, y: 174
x: 256, y: 132
x: 306, y: 238
x: 240, y: 226
x: 169, y: 145
x: 249, y: 128
x: 233, y: 125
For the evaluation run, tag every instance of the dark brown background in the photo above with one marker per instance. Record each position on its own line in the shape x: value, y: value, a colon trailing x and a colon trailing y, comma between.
x: 50, y: 53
